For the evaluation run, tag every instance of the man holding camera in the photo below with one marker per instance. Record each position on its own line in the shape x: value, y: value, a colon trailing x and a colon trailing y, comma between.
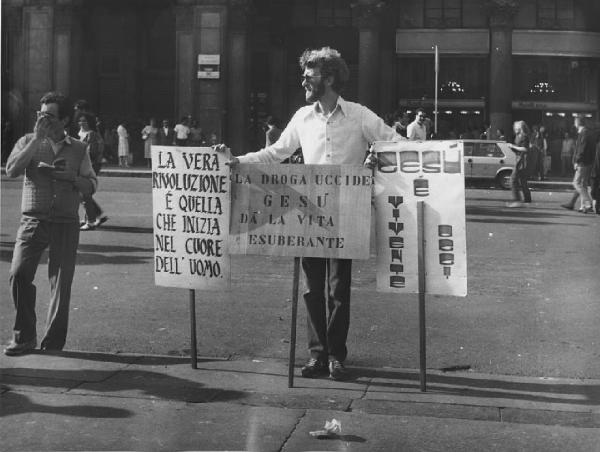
x: 57, y: 171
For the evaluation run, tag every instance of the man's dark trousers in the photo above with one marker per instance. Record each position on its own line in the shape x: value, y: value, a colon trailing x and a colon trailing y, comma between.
x: 33, y: 237
x: 327, y: 302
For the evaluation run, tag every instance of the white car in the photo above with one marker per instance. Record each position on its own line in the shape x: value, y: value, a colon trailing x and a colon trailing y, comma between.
x: 489, y: 159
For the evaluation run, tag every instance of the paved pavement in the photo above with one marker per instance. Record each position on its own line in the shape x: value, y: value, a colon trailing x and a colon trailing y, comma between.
x: 80, y: 400
x: 75, y: 400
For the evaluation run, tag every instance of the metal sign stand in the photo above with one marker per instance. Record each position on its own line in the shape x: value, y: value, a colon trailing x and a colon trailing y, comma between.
x: 292, y: 358
x: 421, y: 270
x: 193, y: 351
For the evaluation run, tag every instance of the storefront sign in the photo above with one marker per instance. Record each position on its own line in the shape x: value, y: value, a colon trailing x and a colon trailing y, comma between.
x: 432, y: 172
x: 301, y: 210
x: 190, y: 204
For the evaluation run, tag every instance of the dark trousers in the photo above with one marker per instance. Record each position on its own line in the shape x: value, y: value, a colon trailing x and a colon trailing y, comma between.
x: 327, y: 300
x: 91, y: 207
x: 518, y: 182
x: 33, y: 237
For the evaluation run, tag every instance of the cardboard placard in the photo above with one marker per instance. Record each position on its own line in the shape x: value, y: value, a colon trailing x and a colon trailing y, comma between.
x: 190, y: 205
x: 301, y: 210
x: 432, y: 172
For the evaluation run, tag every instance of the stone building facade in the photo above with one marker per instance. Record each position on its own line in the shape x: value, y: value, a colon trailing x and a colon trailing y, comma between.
x: 500, y: 60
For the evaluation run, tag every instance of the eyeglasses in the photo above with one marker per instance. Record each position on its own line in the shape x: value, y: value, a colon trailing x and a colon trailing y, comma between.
x: 45, y: 114
x: 309, y: 78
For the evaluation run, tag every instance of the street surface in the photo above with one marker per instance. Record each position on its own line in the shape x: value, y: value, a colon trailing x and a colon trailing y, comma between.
x: 533, y: 303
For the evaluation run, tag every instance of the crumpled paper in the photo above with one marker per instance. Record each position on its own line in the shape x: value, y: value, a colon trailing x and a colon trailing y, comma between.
x: 331, y: 429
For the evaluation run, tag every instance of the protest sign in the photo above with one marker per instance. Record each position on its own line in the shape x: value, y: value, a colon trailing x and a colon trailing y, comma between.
x: 432, y: 172
x: 190, y: 204
x: 301, y: 210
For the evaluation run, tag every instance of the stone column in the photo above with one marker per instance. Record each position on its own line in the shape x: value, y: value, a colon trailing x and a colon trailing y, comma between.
x: 14, y: 89
x: 210, y: 94
x: 63, y: 26
x: 38, y: 50
x: 237, y: 75
x: 368, y: 20
x: 184, y: 59
x: 501, y: 13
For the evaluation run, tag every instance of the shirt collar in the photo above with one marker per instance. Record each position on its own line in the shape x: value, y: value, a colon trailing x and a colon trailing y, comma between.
x: 341, y: 104
x: 59, y: 144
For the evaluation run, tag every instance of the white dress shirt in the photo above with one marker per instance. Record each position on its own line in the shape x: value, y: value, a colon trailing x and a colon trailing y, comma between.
x: 416, y: 131
x: 342, y: 137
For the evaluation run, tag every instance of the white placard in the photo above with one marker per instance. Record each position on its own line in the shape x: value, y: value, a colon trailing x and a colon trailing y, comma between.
x: 190, y: 205
x: 301, y: 210
x: 432, y: 172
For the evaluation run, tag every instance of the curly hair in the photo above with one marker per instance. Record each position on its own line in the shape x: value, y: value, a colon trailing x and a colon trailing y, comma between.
x: 522, y: 126
x: 90, y: 118
x: 330, y: 62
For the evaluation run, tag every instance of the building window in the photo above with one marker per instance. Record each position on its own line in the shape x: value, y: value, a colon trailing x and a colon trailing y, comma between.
x: 333, y: 13
x: 555, y: 14
x: 443, y: 13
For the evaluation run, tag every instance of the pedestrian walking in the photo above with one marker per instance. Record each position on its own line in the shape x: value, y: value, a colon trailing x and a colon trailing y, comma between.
x: 595, y: 178
x: 566, y: 155
x: 57, y: 171
x: 182, y: 132
x: 94, y: 215
x: 123, y: 149
x: 518, y: 178
x: 331, y: 130
x: 196, y: 137
x: 583, y: 158
x: 150, y: 137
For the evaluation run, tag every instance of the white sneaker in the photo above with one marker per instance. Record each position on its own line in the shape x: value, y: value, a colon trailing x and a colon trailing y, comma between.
x: 515, y: 204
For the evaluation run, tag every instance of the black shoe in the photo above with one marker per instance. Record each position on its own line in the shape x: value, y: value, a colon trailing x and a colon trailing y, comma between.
x: 337, y: 371
x: 20, y: 348
x: 100, y: 221
x: 586, y: 210
x: 313, y: 368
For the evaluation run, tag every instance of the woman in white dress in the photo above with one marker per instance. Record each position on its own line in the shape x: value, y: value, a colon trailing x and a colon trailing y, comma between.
x: 123, y: 150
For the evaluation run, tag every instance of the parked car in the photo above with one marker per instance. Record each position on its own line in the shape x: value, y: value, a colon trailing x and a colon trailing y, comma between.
x: 489, y: 159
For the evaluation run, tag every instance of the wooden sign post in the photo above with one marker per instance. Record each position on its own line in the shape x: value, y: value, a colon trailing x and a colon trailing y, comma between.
x: 300, y: 211
x: 420, y: 223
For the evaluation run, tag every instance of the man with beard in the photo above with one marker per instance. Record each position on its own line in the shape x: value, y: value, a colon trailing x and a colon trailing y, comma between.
x: 331, y: 130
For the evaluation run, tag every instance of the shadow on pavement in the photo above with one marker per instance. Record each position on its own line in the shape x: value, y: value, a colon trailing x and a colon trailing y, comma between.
x: 126, y: 359
x: 138, y: 384
x: 16, y: 403
x: 488, y: 388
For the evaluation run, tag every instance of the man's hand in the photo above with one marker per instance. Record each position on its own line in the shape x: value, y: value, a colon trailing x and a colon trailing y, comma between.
x: 233, y: 161
x: 42, y: 127
x: 371, y: 160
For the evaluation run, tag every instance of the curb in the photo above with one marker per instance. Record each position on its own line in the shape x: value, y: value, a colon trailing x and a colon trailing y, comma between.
x: 262, y: 382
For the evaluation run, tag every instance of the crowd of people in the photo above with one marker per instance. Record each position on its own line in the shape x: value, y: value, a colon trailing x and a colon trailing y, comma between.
x: 582, y: 154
